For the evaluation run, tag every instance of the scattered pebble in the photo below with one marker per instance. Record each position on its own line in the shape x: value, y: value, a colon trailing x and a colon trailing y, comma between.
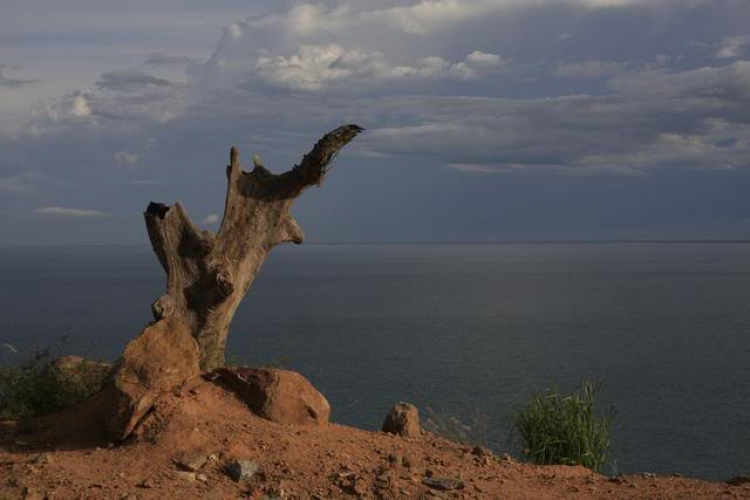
x: 241, y: 469
x: 146, y: 483
x: 184, y: 476
x: 42, y: 459
x: 383, y: 481
x: 192, y: 462
x: 443, y: 484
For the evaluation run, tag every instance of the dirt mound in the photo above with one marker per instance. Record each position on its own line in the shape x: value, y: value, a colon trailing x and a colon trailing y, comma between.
x: 202, y: 442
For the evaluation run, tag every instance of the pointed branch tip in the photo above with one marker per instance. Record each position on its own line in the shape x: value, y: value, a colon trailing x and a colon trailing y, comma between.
x: 158, y: 209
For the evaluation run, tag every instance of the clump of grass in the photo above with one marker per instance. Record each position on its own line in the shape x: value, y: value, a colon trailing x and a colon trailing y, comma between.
x: 470, y: 432
x: 566, y: 430
x: 37, y: 386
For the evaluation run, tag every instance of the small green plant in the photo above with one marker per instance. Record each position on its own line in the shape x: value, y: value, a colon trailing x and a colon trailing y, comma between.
x: 556, y: 429
x: 471, y: 433
x: 38, y: 385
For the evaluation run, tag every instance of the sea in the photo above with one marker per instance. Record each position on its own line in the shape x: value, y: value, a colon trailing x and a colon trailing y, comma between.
x: 466, y: 332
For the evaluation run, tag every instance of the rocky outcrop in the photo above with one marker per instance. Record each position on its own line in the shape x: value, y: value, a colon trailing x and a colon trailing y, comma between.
x: 75, y: 371
x: 161, y: 358
x: 403, y: 420
x: 281, y: 396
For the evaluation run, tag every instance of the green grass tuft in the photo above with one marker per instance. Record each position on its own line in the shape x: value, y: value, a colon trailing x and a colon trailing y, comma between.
x: 565, y: 430
x: 36, y: 386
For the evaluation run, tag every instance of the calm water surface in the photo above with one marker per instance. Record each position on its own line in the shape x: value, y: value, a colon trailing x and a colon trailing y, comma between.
x: 464, y: 329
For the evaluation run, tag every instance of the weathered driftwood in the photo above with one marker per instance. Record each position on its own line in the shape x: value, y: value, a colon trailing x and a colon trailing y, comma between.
x: 208, y: 274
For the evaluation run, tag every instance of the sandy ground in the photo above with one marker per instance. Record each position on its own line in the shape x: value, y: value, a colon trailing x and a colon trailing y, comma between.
x: 204, y: 422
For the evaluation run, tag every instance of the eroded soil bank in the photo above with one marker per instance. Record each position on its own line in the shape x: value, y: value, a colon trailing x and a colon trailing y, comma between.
x: 196, y: 433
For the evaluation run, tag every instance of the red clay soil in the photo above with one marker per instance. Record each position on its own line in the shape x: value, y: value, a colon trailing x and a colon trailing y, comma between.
x: 66, y: 458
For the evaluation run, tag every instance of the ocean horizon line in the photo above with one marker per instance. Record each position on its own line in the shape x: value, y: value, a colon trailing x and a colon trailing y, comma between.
x: 686, y: 241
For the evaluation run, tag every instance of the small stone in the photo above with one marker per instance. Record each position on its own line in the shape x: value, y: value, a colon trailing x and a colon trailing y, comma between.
x: 241, y: 469
x: 739, y: 480
x: 43, y: 459
x: 202, y: 478
x: 382, y: 481
x: 32, y: 494
x: 146, y: 483
x: 184, y: 476
x: 434, y: 494
x: 403, y: 420
x: 481, y: 451
x: 191, y: 463
x: 443, y: 484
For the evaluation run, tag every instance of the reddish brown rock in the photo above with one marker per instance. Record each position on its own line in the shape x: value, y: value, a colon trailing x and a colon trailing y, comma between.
x: 403, y: 420
x: 739, y: 480
x: 161, y: 358
x: 281, y: 396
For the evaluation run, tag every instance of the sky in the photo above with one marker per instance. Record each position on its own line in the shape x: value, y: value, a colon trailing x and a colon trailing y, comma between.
x: 486, y: 120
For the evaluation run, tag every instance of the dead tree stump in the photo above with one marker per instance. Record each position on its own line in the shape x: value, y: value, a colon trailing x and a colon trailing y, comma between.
x: 208, y: 275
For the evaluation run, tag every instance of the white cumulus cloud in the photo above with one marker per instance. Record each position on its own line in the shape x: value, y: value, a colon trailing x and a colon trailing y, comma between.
x: 69, y: 212
x: 733, y: 46
x: 315, y: 67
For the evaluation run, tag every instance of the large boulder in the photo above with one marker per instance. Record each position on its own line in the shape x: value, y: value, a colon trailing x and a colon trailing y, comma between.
x: 403, y: 420
x: 281, y: 396
x: 161, y: 358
